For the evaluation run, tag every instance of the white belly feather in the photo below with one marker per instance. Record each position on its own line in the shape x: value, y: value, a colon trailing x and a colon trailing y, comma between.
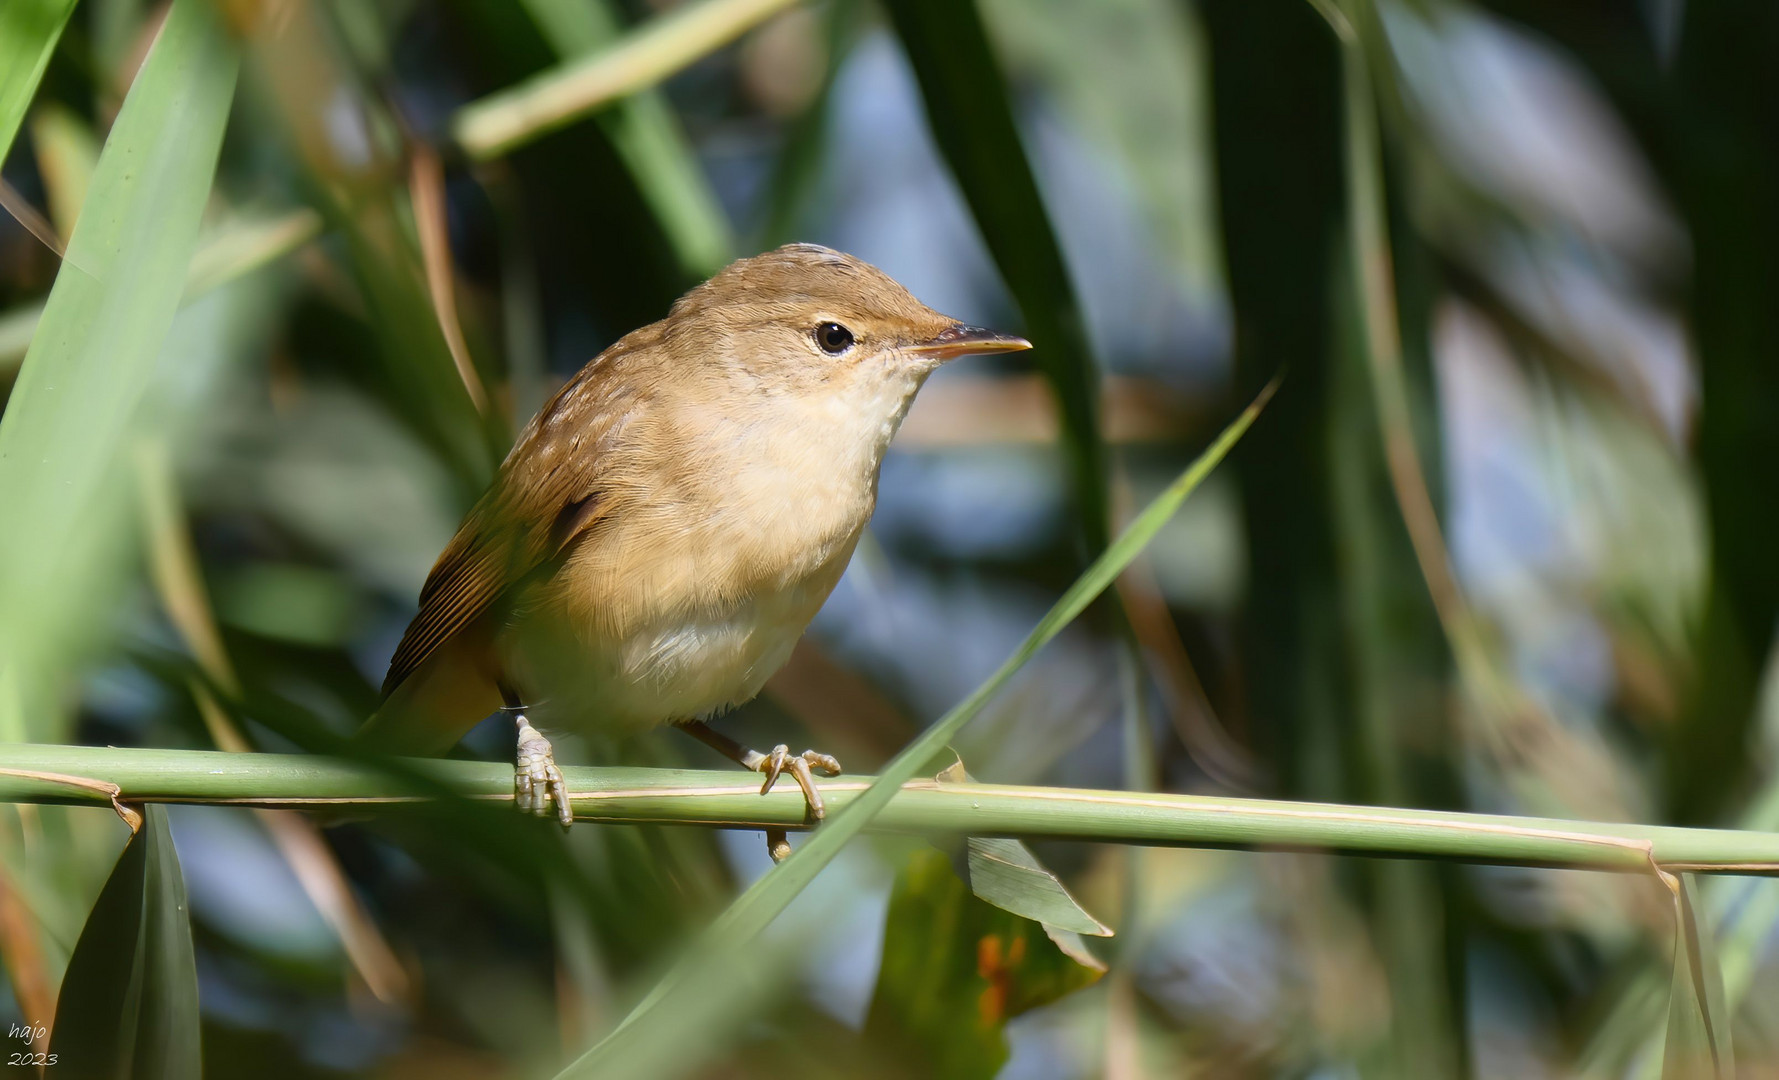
x: 692, y: 666
x: 704, y: 666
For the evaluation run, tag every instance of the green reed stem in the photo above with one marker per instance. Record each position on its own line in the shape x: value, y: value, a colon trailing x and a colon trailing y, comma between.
x: 28, y: 773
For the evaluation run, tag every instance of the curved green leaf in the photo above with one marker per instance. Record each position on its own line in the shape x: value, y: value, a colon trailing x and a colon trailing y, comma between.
x: 129, y: 1002
x: 1006, y: 874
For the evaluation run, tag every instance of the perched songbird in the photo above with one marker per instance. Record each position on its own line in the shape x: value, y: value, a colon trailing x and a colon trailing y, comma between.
x: 667, y: 526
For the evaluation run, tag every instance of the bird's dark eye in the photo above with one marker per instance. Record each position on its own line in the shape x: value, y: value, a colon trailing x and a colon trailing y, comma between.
x: 833, y: 338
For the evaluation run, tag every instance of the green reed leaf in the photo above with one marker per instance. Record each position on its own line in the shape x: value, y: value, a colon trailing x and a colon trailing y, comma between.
x: 92, y: 358
x: 507, y: 119
x: 648, y: 137
x: 1006, y: 874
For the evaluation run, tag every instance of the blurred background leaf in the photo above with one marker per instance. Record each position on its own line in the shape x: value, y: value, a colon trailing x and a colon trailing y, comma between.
x: 646, y: 134
x: 972, y: 123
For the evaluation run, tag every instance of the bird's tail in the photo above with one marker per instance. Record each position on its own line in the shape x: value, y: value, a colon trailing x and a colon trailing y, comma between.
x: 433, y: 707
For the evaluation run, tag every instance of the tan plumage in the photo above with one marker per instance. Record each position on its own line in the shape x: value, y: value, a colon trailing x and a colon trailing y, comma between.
x: 667, y: 525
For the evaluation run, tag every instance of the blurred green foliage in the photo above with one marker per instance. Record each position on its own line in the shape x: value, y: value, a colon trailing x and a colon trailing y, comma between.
x: 1553, y: 223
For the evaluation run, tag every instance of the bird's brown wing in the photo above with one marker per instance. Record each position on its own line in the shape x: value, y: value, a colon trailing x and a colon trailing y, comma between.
x: 545, y: 498
x: 471, y: 574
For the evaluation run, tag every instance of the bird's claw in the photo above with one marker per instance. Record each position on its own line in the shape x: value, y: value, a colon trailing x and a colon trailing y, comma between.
x: 537, y: 782
x: 780, y: 760
x: 771, y: 766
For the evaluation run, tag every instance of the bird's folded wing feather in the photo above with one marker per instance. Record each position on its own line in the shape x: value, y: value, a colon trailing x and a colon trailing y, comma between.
x: 545, y: 498
x: 470, y: 576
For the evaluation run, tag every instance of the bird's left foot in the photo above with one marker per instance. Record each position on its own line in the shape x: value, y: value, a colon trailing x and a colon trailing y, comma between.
x: 780, y: 760
x: 537, y: 782
x: 772, y: 766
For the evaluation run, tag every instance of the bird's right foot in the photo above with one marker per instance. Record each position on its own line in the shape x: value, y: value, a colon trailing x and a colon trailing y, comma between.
x: 537, y: 782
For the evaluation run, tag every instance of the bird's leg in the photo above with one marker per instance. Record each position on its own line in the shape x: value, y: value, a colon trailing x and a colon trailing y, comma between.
x: 771, y: 765
x: 537, y: 782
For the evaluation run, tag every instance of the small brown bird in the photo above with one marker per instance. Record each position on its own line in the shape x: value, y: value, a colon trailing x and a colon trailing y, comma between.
x: 666, y: 527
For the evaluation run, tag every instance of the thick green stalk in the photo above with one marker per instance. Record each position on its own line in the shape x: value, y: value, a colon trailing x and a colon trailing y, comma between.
x: 89, y: 775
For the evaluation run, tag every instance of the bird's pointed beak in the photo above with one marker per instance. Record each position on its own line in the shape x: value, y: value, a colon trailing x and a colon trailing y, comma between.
x: 961, y: 340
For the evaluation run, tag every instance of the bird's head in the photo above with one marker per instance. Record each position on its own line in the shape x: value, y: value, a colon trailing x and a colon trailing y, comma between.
x: 822, y: 326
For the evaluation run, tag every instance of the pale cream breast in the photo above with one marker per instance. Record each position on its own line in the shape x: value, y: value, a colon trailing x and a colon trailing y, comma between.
x: 681, y: 665
x: 695, y: 586
x: 692, y: 650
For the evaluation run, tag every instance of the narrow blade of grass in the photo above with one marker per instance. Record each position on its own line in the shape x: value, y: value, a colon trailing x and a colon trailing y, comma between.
x: 246, y: 243
x: 90, y: 362
x: 29, y: 30
x: 1698, y: 1045
x: 1414, y: 919
x: 695, y: 995
x: 301, y: 63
